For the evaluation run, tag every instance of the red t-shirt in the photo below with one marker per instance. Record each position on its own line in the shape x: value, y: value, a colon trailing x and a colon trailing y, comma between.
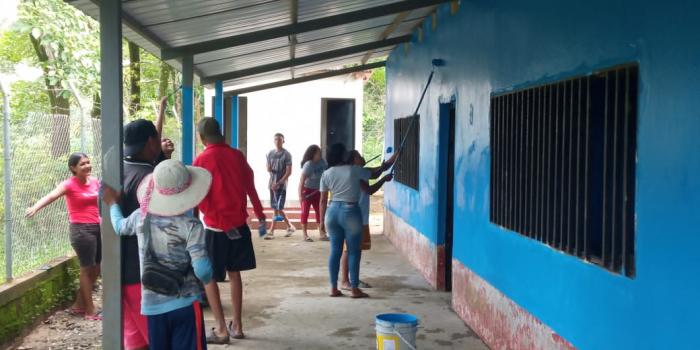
x: 226, y: 204
x: 81, y: 200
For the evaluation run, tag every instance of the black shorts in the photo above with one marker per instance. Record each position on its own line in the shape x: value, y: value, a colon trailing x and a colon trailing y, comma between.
x: 277, y: 199
x: 228, y: 254
x: 87, y: 243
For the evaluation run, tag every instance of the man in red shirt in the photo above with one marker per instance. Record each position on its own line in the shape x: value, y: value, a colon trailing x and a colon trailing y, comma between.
x: 225, y: 210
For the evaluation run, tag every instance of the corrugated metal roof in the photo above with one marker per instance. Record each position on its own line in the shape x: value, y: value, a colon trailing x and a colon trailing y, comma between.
x: 162, y: 24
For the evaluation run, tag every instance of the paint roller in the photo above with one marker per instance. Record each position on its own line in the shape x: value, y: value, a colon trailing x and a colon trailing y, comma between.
x: 436, y: 63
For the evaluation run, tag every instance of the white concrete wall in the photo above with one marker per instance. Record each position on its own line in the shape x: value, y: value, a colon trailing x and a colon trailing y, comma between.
x: 295, y: 111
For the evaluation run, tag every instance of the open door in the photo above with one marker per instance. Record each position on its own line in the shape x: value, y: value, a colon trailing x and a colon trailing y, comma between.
x: 337, y: 122
x: 446, y: 187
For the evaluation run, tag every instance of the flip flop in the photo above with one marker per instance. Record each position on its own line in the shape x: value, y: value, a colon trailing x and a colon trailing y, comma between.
x: 336, y: 295
x: 234, y: 335
x: 74, y: 311
x: 269, y: 237
x: 324, y: 238
x: 308, y: 239
x: 215, y: 339
x: 96, y: 317
x: 360, y: 296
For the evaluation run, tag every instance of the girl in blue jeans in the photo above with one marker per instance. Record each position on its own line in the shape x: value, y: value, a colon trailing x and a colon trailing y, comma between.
x: 342, y: 218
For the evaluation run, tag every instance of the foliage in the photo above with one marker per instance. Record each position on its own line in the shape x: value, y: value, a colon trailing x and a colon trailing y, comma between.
x: 70, y: 39
x: 373, y: 115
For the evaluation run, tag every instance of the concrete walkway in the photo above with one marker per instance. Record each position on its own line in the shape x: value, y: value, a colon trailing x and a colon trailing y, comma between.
x: 286, y: 304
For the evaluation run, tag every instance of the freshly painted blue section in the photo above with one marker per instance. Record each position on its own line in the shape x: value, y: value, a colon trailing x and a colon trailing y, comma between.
x: 219, y: 102
x: 494, y: 46
x: 187, y: 125
x: 234, y: 121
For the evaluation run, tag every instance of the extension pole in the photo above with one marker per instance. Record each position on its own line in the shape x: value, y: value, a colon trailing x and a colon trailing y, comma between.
x: 415, y: 115
x: 8, y: 182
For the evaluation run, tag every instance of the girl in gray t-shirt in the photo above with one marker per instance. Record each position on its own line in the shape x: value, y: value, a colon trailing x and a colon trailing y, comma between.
x: 312, y: 167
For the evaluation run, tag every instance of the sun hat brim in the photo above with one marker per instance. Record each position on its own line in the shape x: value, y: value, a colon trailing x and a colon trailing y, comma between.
x: 180, y: 203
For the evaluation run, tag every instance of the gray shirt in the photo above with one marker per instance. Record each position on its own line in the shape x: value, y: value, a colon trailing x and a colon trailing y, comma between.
x: 344, y: 182
x: 177, y: 242
x: 313, y: 171
x: 278, y: 161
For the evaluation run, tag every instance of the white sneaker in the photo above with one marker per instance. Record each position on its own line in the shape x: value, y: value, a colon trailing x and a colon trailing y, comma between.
x: 290, y: 231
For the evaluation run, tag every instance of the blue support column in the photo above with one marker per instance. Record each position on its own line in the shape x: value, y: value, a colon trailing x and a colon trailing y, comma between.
x: 219, y: 102
x: 112, y: 170
x: 234, y: 121
x: 187, y: 110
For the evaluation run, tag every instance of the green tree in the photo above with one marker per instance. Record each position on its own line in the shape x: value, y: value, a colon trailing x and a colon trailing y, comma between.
x: 373, y: 114
x: 66, y: 48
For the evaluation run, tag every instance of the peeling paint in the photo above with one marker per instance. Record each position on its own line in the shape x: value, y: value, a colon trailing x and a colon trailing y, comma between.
x: 499, y: 322
x: 423, y: 254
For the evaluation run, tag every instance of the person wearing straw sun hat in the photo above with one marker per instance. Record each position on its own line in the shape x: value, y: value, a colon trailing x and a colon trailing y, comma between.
x: 172, y: 252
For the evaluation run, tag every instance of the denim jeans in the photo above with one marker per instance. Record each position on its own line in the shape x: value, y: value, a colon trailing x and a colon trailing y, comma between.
x: 344, y: 224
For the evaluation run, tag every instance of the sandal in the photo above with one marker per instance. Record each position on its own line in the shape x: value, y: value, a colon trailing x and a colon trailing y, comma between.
x: 336, y: 294
x: 215, y: 339
x: 96, y: 317
x: 74, y: 311
x: 269, y: 236
x: 360, y: 296
x: 308, y: 239
x: 233, y: 334
x: 324, y: 238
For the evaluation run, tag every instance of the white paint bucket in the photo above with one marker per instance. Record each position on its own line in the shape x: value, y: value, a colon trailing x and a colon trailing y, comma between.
x: 396, y: 331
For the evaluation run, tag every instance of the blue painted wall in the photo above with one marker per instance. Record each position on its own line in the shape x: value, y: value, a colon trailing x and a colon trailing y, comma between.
x: 492, y: 46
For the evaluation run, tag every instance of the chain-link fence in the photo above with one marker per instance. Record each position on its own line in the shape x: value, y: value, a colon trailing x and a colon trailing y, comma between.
x: 40, y: 146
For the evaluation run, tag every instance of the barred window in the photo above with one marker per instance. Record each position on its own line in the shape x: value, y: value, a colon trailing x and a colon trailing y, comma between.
x: 406, y: 168
x: 563, y: 165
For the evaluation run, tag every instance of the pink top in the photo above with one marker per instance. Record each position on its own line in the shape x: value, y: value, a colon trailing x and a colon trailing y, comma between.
x: 81, y: 200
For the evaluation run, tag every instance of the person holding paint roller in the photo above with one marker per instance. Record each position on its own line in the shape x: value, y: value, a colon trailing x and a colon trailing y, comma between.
x: 342, y: 216
x: 312, y: 167
x: 279, y: 165
x: 366, y: 190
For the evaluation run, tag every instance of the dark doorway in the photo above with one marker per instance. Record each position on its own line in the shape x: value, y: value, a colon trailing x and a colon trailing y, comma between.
x: 450, y: 111
x: 337, y: 122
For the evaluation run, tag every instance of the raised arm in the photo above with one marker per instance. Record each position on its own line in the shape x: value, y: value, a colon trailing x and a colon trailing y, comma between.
x: 161, y: 116
x: 377, y: 171
x: 57, y: 193
x: 372, y: 189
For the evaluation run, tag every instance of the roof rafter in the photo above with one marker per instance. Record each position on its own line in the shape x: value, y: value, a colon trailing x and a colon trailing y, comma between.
x: 300, y: 27
x: 294, y: 14
x: 385, y: 34
x: 307, y: 59
x: 306, y: 78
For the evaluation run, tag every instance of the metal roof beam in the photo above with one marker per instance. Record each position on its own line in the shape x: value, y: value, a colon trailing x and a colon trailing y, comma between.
x: 307, y: 59
x: 305, y: 78
x: 294, y: 13
x: 301, y: 27
x: 385, y: 34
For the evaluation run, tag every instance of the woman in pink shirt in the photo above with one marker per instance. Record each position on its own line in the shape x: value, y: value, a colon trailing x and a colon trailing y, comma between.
x: 82, y: 192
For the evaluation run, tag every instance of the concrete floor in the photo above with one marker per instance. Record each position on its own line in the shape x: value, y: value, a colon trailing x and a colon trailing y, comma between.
x: 286, y: 304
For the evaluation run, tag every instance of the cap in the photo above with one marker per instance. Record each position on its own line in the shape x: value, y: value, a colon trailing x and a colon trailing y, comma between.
x: 136, y: 135
x: 209, y: 128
